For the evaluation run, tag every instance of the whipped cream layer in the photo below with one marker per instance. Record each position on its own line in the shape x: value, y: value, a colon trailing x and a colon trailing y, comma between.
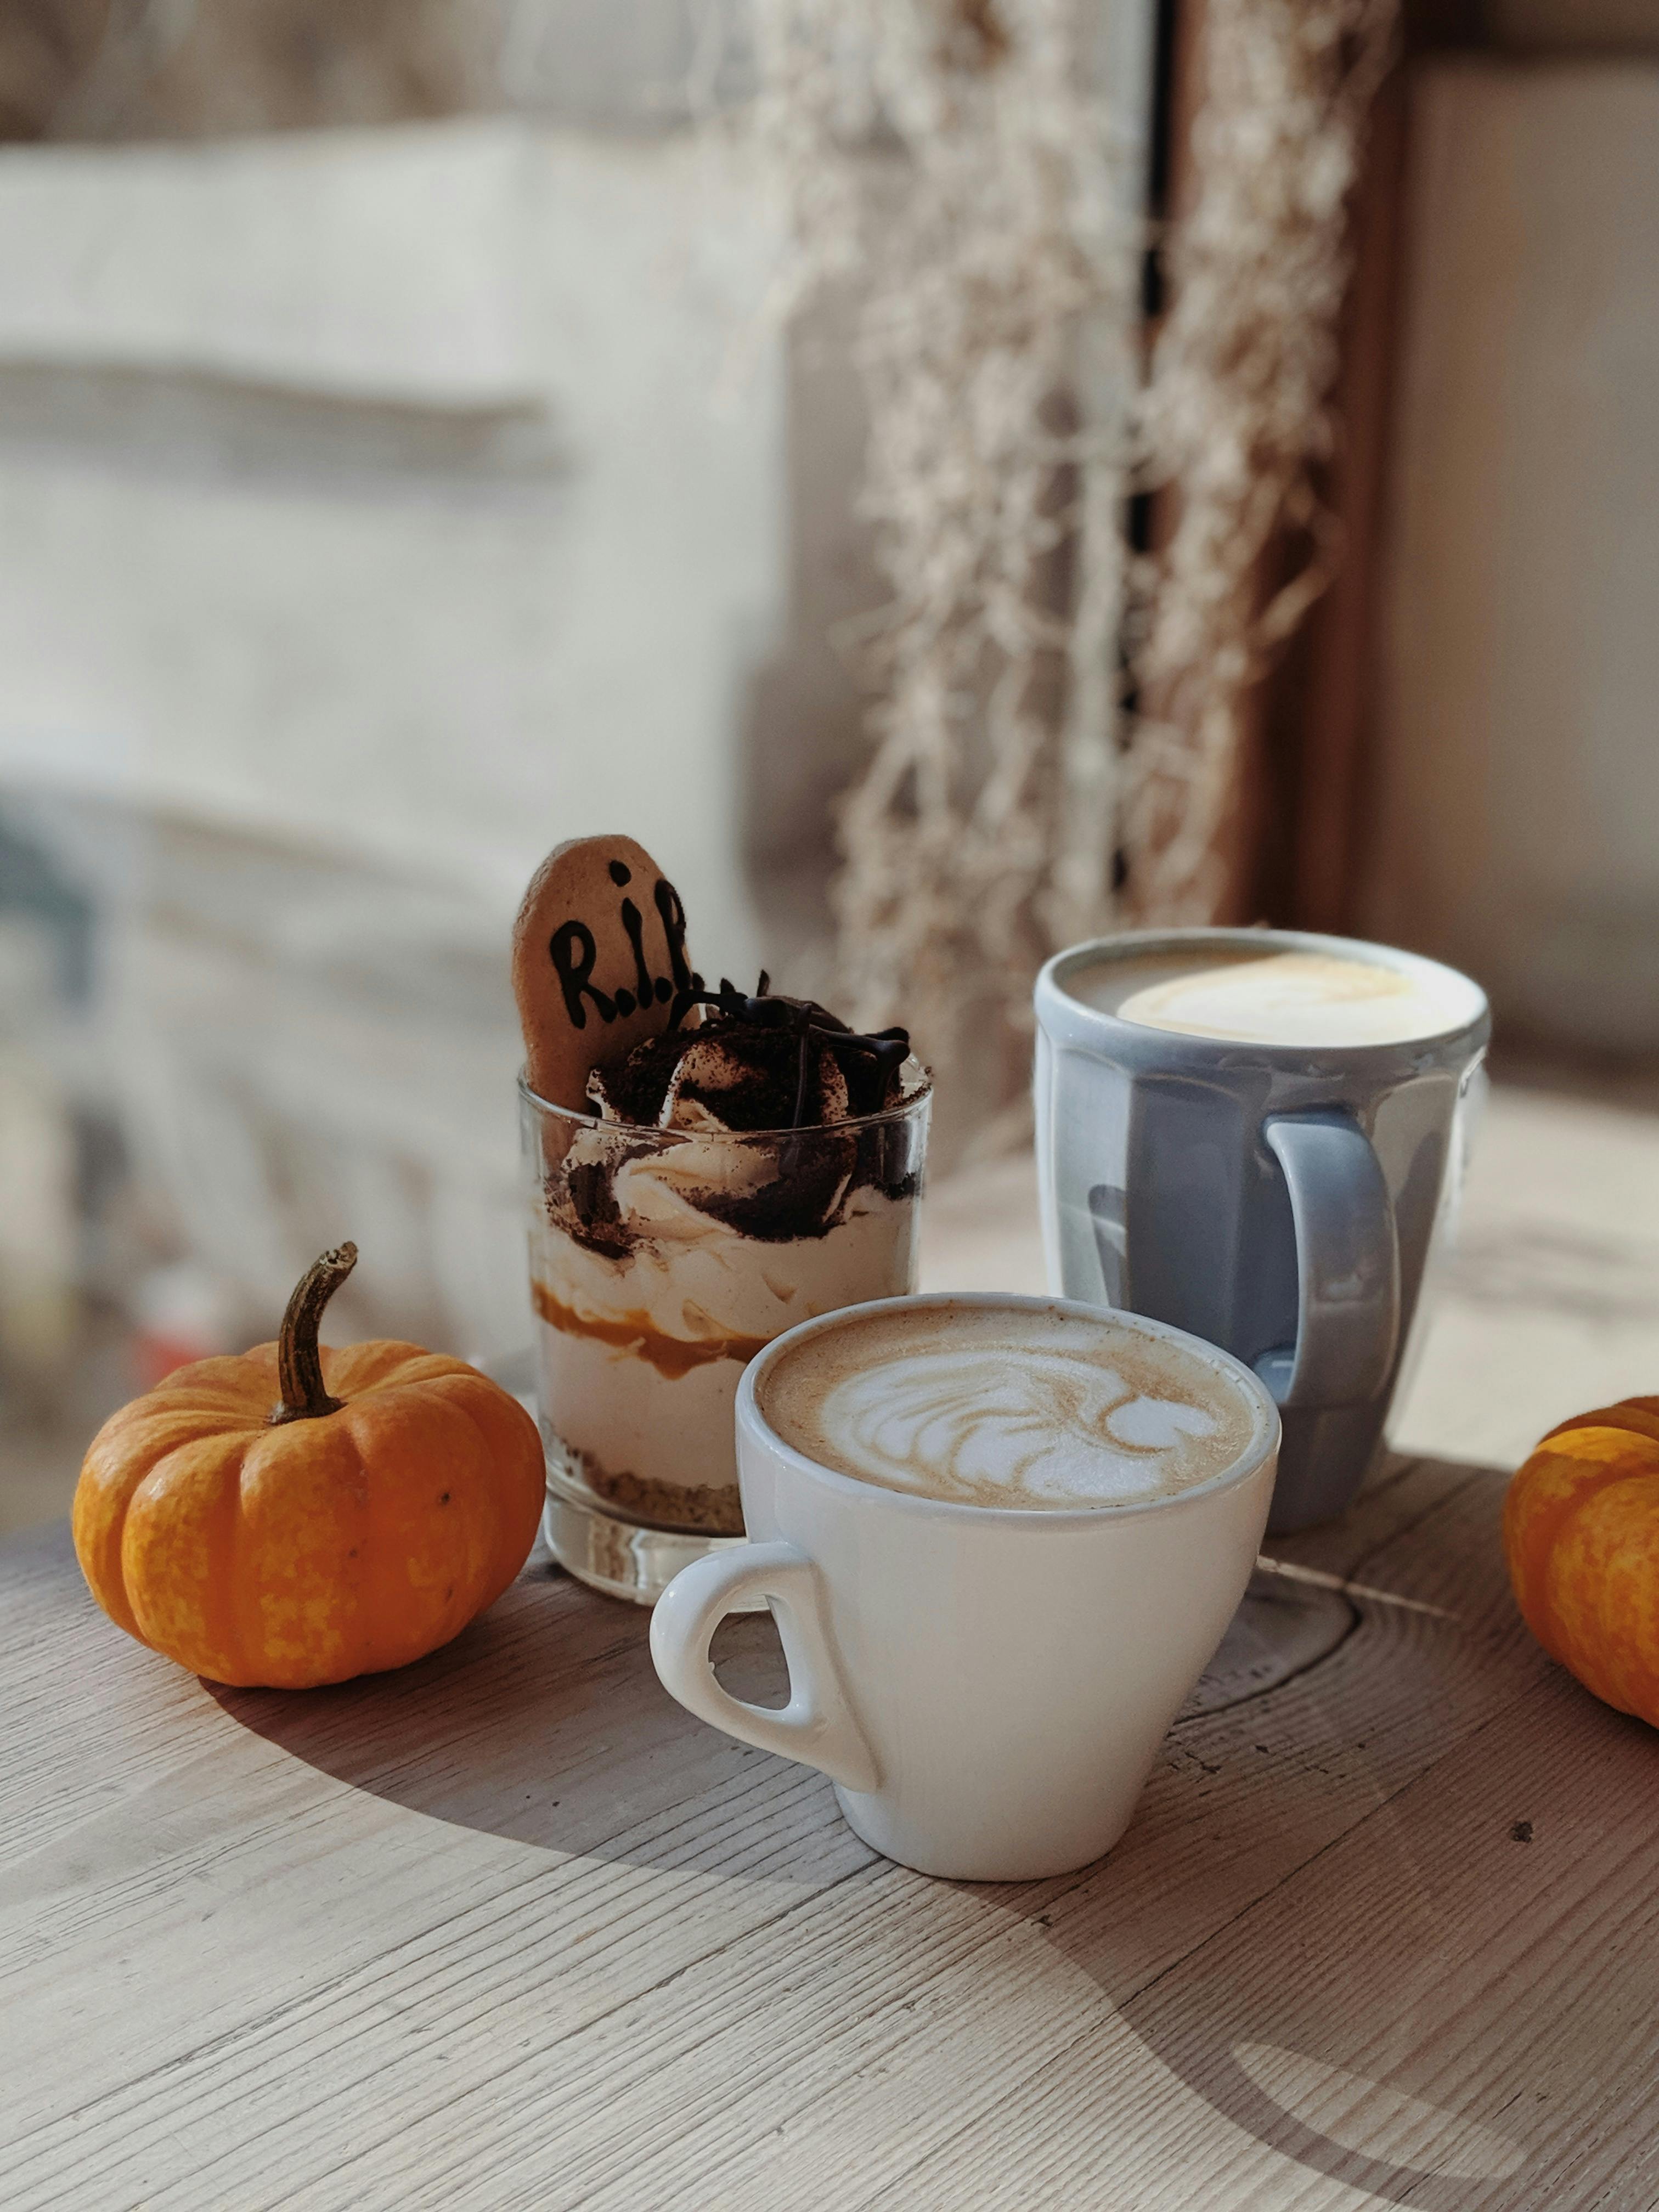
x: 651, y: 1307
x: 1007, y: 1407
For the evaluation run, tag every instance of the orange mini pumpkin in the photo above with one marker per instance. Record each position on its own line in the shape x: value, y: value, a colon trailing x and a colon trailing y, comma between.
x: 292, y: 1517
x: 1581, y: 1533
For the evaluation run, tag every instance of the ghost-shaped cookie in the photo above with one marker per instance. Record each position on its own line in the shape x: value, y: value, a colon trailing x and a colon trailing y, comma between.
x: 599, y: 958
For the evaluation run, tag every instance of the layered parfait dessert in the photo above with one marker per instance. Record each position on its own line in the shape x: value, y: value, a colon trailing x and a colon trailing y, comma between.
x: 751, y: 1163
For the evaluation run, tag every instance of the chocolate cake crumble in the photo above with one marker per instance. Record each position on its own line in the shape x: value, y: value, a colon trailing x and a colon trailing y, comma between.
x: 766, y: 1063
x: 751, y: 1066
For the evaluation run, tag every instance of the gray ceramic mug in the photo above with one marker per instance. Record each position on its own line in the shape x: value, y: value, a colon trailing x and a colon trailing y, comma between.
x: 1280, y: 1200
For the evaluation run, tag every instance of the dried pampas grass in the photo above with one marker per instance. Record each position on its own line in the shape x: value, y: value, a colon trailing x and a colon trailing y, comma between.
x: 1048, y: 715
x: 1234, y: 411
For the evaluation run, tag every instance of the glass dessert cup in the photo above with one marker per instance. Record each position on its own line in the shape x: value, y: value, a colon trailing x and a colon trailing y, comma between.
x: 661, y: 1260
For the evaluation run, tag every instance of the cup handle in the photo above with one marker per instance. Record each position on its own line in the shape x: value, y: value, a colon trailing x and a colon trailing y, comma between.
x: 1348, y: 1263
x: 816, y: 1726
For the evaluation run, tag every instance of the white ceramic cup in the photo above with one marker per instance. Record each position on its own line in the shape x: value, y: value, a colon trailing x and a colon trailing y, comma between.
x: 986, y: 1686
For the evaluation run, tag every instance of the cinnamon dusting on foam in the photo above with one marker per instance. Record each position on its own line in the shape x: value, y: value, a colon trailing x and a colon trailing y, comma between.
x: 671, y: 1356
x: 1006, y: 1406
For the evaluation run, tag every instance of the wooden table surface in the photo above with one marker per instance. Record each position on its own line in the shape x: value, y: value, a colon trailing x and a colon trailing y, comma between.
x: 510, y: 1928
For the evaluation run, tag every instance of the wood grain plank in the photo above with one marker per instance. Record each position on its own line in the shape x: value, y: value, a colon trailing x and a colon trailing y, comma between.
x: 868, y: 2138
x: 510, y: 1928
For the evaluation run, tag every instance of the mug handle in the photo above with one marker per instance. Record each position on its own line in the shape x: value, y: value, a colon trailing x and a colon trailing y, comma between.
x: 1348, y: 1263
x: 816, y: 1726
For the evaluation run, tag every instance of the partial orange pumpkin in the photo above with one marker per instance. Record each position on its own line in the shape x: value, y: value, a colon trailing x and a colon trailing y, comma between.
x: 295, y: 1515
x: 1581, y: 1533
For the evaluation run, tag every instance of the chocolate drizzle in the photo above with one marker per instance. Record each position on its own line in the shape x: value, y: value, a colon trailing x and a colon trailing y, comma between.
x: 818, y: 1171
x: 767, y: 1062
x: 872, y: 1062
x: 761, y: 1066
x: 595, y: 1218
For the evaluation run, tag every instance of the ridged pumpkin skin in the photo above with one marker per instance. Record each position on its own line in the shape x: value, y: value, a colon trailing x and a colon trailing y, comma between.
x: 1581, y: 1534
x: 326, y: 1547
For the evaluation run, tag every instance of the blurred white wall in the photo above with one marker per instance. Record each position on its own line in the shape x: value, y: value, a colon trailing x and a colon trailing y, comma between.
x: 1517, y: 824
x: 377, y: 508
x: 373, y: 515
x: 379, y: 488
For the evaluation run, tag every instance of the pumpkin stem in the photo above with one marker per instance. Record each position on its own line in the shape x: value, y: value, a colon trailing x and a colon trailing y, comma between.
x: 299, y: 1363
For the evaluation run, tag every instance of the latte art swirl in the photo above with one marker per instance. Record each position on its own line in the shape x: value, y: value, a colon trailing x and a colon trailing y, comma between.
x: 1032, y: 1408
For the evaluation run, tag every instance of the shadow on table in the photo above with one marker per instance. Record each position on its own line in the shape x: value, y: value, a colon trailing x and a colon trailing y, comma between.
x: 1318, y: 1938
x: 1371, y: 1950
x: 544, y: 1722
x: 1379, y: 2031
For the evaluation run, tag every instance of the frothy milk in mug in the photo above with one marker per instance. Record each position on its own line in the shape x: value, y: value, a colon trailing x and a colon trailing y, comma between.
x: 1310, y: 999
x: 1257, y: 1135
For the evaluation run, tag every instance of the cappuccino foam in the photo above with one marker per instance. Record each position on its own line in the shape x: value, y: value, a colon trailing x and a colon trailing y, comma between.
x: 1006, y: 1406
x: 1296, y: 999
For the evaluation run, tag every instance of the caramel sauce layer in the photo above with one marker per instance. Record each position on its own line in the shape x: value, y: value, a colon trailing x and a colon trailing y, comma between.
x: 671, y: 1356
